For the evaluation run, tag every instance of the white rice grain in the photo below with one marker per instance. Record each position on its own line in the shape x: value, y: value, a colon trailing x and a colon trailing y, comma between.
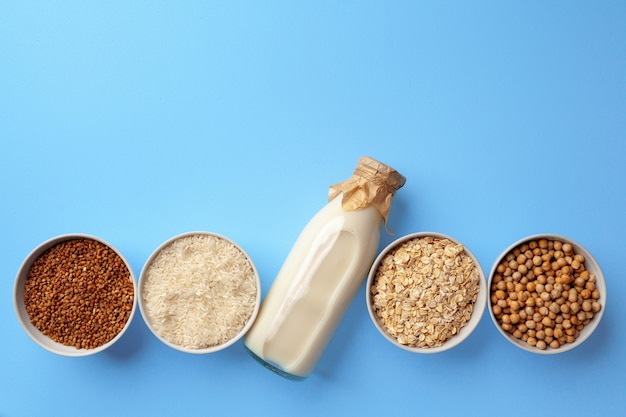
x: 199, y: 291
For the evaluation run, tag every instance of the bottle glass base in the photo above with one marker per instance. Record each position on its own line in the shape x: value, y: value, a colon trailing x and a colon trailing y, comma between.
x: 275, y: 368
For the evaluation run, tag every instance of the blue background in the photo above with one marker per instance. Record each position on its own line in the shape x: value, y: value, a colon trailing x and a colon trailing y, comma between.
x: 139, y: 120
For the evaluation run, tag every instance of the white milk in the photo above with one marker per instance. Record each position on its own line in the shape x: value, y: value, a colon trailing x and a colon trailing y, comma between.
x: 323, y: 272
x: 314, y: 288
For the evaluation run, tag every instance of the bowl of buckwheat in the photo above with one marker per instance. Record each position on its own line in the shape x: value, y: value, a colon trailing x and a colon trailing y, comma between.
x: 426, y: 292
x: 547, y: 294
x: 74, y: 295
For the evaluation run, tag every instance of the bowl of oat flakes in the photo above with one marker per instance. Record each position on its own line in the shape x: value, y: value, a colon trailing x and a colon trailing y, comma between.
x: 74, y: 295
x: 426, y: 292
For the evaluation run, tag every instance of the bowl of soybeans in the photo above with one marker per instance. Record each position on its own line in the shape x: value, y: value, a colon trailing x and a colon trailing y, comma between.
x: 547, y: 294
x: 74, y: 295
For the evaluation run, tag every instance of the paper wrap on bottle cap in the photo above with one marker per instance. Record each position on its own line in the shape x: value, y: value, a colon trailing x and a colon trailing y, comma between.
x: 372, y: 183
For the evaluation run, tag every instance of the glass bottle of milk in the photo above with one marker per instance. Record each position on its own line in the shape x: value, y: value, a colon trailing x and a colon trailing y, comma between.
x: 323, y: 272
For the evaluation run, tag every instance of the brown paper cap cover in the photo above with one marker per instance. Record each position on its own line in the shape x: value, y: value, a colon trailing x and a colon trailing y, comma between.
x: 372, y: 183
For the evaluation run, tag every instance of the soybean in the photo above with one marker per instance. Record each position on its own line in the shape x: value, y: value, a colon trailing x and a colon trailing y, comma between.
x: 558, y: 294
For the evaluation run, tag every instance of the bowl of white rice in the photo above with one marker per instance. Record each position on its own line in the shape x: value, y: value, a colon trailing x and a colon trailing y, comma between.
x: 199, y: 292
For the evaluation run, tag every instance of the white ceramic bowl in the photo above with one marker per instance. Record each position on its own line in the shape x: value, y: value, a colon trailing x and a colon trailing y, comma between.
x: 464, y: 332
x: 22, y: 315
x: 146, y: 315
x: 590, y: 264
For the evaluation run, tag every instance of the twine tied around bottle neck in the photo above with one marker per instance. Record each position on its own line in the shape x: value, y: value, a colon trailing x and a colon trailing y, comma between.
x: 372, y: 184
